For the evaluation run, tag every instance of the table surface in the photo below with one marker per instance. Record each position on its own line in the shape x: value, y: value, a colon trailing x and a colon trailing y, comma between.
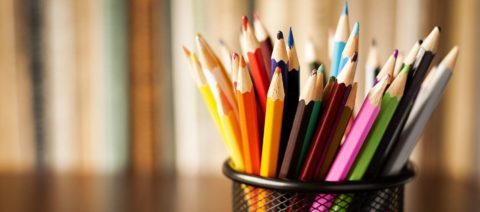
x: 135, y: 193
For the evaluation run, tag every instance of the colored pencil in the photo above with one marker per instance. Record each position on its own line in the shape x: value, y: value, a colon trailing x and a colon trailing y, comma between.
x: 231, y: 128
x: 234, y: 75
x: 390, y: 101
x: 311, y: 55
x: 340, y: 40
x: 340, y: 125
x: 265, y: 42
x: 247, y: 110
x: 339, y: 90
x: 353, y: 142
x: 257, y: 66
x: 273, y: 125
x: 423, y: 59
x: 280, y: 59
x: 388, y: 67
x: 350, y: 47
x: 214, y: 73
x: 417, y: 121
x: 398, y: 64
x: 205, y: 91
x: 295, y: 141
x: 225, y: 57
x: 315, y: 116
x: 372, y: 67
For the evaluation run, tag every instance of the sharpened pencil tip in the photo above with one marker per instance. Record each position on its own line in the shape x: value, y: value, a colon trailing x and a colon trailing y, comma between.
x: 234, y: 56
x: 354, y: 57
x: 374, y: 42
x: 290, y: 39
x: 395, y: 53
x: 186, y: 51
x: 221, y: 42
x: 345, y: 8
x: 356, y: 28
x: 321, y: 68
x: 439, y: 28
x: 279, y: 35
x: 244, y: 22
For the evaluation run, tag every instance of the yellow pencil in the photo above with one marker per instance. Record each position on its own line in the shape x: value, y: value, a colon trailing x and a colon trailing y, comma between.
x: 207, y: 95
x: 273, y: 125
x: 231, y: 128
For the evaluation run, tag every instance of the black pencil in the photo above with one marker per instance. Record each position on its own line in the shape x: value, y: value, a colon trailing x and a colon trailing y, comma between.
x: 422, y: 63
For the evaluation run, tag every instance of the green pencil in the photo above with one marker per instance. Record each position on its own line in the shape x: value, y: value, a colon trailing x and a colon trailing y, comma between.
x: 390, y: 101
x: 314, y: 117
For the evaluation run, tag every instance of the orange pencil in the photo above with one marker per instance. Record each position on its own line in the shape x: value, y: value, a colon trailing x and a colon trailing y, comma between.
x: 247, y: 112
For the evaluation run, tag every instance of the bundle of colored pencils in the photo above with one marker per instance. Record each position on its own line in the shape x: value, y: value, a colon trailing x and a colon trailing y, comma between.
x: 272, y: 129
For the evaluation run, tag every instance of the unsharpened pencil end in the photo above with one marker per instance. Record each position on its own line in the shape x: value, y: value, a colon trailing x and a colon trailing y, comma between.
x: 291, y: 42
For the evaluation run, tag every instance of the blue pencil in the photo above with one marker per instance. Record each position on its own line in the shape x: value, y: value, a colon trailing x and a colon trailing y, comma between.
x: 340, y: 40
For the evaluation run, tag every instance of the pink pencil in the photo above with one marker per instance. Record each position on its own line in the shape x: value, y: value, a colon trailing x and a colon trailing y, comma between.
x: 353, y: 142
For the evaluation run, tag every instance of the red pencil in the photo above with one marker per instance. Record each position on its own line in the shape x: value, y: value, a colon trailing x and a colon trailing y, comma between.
x: 265, y: 42
x: 340, y: 88
x: 257, y: 65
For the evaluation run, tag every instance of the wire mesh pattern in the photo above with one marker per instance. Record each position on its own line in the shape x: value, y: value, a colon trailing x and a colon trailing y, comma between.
x: 249, y: 198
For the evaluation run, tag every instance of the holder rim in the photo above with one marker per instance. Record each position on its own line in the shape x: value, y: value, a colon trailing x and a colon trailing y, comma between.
x: 407, y: 174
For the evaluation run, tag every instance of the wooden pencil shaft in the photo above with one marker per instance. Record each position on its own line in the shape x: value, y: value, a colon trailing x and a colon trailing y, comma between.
x: 409, y: 136
x: 267, y: 47
x: 259, y: 77
x: 291, y: 100
x: 329, y: 142
x: 334, y: 139
x: 324, y: 126
x: 295, y: 141
x: 313, y: 121
x: 401, y: 114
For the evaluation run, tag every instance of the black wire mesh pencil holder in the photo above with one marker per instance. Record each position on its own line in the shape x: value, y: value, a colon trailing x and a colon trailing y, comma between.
x: 252, y: 193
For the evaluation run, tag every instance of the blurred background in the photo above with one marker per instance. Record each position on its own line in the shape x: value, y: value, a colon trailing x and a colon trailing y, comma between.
x: 98, y: 111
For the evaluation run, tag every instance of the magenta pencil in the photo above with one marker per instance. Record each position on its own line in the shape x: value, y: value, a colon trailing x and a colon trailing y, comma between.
x: 353, y: 142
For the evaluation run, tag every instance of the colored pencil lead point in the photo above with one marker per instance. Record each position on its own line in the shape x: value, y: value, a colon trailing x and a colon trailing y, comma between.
x: 290, y: 39
x: 279, y: 35
x: 244, y: 22
x: 345, y: 8
x: 278, y: 70
x: 395, y: 53
x: 354, y: 57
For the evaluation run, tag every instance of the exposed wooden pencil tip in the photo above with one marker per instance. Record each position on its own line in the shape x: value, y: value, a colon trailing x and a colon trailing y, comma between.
x: 242, y: 61
x: 356, y: 29
x: 279, y: 35
x: 186, y: 51
x: 395, y: 53
x: 321, y: 68
x: 354, y: 57
x: 451, y: 58
x: 244, y: 22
